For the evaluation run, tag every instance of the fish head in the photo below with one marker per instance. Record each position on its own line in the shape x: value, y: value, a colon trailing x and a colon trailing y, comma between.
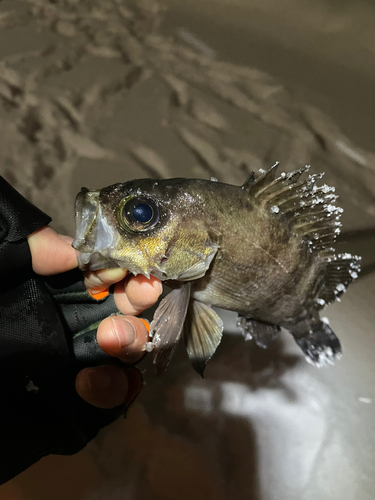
x: 149, y: 227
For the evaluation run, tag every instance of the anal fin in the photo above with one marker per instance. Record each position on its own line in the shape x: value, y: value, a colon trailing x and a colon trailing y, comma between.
x: 203, y: 333
x: 263, y: 333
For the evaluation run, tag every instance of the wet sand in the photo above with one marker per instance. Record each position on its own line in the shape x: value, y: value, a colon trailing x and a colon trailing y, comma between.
x: 322, y: 51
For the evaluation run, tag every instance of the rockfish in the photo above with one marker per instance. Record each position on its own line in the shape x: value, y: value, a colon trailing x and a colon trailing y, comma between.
x: 263, y: 249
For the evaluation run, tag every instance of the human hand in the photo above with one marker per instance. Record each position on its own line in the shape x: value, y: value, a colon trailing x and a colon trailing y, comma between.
x: 104, y: 386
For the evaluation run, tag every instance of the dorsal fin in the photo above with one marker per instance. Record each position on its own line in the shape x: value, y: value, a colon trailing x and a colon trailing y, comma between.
x: 341, y: 270
x: 311, y: 213
x: 263, y: 181
x: 310, y: 209
x: 294, y: 176
x: 249, y: 181
x: 284, y: 187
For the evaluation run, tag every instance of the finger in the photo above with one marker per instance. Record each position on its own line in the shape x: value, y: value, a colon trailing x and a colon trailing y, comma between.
x: 137, y: 294
x: 97, y: 281
x: 51, y: 253
x: 123, y: 337
x: 108, y: 386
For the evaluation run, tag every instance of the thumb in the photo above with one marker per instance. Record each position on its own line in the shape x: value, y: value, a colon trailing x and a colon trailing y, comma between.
x: 51, y: 253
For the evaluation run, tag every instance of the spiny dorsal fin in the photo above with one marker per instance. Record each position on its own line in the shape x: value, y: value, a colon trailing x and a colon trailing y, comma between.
x: 284, y: 187
x: 294, y: 176
x: 310, y: 209
x: 263, y: 180
x: 249, y: 181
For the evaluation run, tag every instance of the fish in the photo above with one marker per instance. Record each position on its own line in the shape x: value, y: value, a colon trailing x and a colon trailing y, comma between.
x: 263, y: 249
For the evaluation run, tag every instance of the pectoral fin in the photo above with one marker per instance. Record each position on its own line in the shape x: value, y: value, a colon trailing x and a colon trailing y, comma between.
x: 203, y: 333
x: 167, y: 324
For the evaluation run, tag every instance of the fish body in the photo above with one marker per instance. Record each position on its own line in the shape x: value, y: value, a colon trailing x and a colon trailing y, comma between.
x: 263, y: 249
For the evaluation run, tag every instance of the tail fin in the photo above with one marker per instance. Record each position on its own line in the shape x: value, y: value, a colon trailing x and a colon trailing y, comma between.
x: 320, y: 345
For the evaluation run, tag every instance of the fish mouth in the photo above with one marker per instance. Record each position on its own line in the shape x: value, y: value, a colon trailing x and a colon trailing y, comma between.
x: 94, y: 236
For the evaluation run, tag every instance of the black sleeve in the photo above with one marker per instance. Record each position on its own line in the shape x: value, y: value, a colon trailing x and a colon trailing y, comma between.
x: 40, y: 411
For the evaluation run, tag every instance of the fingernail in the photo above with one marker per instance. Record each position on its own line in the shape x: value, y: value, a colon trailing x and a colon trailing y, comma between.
x: 124, y: 330
x: 158, y: 286
x: 135, y: 385
x: 97, y: 380
x: 67, y: 239
x: 109, y: 275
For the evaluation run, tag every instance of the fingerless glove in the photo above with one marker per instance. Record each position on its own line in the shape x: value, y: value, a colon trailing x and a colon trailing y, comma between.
x: 47, y: 333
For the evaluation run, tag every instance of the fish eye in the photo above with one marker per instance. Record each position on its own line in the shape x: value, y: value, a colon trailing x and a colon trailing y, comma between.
x: 138, y: 214
x: 143, y: 212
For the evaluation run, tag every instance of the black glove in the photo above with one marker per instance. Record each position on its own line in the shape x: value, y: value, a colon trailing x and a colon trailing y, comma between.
x: 46, y: 336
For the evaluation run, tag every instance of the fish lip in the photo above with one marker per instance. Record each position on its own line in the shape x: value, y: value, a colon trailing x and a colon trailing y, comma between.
x: 94, y: 237
x: 86, y: 208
